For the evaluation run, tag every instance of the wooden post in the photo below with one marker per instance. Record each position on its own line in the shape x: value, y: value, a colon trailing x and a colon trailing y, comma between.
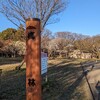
x: 33, y: 59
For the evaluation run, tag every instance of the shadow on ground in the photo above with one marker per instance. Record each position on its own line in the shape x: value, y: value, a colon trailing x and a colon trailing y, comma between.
x: 66, y: 79
x: 4, y: 61
x: 12, y: 85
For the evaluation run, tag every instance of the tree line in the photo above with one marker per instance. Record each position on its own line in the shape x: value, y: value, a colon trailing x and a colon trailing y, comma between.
x: 12, y: 43
x: 67, y: 42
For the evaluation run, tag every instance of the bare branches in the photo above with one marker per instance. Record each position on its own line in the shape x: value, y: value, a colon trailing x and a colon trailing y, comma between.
x: 17, y: 11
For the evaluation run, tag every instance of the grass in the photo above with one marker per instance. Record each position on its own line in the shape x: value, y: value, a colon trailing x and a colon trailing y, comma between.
x: 4, y: 61
x: 68, y: 79
x: 65, y: 81
x: 13, y: 85
x: 12, y: 82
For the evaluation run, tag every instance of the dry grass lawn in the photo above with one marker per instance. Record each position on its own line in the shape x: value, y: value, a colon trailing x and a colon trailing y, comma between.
x: 65, y: 81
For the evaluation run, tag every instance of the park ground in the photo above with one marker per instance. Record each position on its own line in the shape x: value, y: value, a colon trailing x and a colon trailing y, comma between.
x: 65, y: 80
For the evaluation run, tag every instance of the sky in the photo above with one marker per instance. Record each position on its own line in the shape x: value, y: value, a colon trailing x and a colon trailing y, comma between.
x: 81, y: 16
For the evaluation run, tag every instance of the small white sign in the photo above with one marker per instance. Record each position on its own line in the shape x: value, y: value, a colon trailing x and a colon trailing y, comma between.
x: 44, y: 62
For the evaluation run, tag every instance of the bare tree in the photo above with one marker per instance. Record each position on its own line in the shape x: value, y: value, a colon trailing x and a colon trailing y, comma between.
x: 96, y: 46
x: 71, y: 36
x: 46, y: 36
x: 52, y: 47
x: 17, y: 11
x: 1, y: 43
x: 90, y: 45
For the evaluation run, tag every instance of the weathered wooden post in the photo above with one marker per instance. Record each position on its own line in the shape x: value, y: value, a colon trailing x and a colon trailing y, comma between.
x: 33, y: 59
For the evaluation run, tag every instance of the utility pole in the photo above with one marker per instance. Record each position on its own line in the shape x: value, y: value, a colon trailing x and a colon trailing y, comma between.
x: 33, y: 59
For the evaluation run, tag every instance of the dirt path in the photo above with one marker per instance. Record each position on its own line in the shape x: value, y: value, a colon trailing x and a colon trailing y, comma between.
x: 94, y: 77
